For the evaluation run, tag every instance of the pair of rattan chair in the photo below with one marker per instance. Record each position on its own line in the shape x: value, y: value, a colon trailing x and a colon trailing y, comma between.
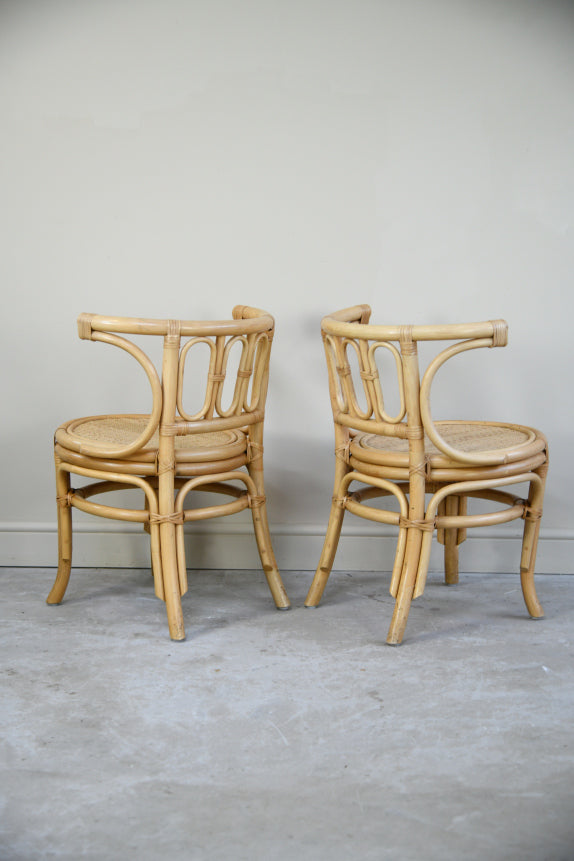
x: 430, y: 468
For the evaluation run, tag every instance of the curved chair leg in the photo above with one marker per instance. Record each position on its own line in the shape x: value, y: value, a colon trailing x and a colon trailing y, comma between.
x: 406, y: 587
x: 398, y: 564
x: 261, y: 524
x: 530, y: 543
x: 171, y: 586
x: 64, y: 536
x: 267, y: 556
x: 331, y: 538
x: 327, y: 555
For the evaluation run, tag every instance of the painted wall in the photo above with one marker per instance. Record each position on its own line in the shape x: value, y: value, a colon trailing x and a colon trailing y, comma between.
x: 174, y: 158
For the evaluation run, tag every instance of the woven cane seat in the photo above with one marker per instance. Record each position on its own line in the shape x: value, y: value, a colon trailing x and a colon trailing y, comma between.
x: 517, y: 441
x: 121, y: 430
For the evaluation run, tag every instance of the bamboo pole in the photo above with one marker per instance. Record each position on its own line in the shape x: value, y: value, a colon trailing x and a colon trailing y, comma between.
x: 172, y: 577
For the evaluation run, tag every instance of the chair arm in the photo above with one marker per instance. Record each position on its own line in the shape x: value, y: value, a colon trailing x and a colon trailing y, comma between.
x: 354, y: 314
x: 498, y: 338
x: 85, y: 331
x: 246, y: 312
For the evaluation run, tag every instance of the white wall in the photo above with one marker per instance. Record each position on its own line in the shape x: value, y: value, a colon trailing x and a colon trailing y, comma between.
x: 174, y: 157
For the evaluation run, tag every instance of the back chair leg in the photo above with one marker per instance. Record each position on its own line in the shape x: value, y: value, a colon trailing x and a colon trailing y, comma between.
x: 64, y: 536
x: 155, y: 552
x: 530, y: 544
x: 454, y: 506
x: 181, y: 559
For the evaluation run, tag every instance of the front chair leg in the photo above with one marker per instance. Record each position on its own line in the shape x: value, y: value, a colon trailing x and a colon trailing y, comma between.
x: 327, y: 555
x: 171, y: 585
x: 532, y: 517
x: 333, y: 533
x: 258, y: 506
x: 266, y: 554
x: 406, y: 587
x: 64, y: 535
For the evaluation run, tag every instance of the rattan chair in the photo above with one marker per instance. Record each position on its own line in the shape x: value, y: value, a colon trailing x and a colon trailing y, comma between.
x: 169, y: 452
x: 409, y: 455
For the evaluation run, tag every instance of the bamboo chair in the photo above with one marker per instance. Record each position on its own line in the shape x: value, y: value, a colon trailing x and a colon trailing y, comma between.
x: 168, y: 453
x: 409, y: 456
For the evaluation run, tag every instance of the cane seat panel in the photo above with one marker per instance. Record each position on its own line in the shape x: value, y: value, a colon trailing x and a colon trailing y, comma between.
x: 121, y: 430
x: 519, y: 442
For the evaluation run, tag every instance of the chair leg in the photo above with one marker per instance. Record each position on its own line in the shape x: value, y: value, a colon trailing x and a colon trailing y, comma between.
x: 530, y: 544
x: 64, y: 536
x: 261, y: 525
x: 267, y: 556
x: 155, y: 553
x: 153, y: 532
x: 331, y: 537
x: 398, y: 564
x: 452, y: 509
x: 327, y: 555
x: 406, y: 587
x: 171, y: 585
x: 180, y: 554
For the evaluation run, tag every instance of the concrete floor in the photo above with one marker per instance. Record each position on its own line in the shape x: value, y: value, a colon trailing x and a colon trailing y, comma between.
x: 285, y: 736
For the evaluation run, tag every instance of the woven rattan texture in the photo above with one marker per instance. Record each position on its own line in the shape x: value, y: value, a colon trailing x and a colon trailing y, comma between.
x: 122, y: 430
x: 464, y: 437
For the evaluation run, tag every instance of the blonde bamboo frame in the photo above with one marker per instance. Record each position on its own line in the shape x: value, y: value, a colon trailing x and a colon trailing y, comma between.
x: 451, y: 477
x: 167, y: 474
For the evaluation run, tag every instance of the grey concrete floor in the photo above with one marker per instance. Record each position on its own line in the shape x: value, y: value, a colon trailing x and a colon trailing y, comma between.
x: 298, y: 735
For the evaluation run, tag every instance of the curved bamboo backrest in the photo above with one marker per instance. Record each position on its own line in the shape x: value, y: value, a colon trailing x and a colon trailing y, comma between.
x: 249, y: 333
x: 349, y: 330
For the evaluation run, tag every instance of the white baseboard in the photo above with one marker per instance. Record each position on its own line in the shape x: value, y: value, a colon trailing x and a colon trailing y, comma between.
x: 224, y: 544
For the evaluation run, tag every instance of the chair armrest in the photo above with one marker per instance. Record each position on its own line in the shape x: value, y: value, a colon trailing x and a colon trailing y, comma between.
x: 498, y: 338
x: 86, y: 331
x: 354, y: 314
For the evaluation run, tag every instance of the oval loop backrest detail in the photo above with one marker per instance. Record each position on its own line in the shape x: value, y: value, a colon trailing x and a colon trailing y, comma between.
x: 347, y: 329
x: 377, y: 389
x: 250, y: 328
x: 213, y: 379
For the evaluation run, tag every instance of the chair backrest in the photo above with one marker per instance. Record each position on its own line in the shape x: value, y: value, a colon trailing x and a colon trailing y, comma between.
x: 247, y: 337
x: 348, y: 332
